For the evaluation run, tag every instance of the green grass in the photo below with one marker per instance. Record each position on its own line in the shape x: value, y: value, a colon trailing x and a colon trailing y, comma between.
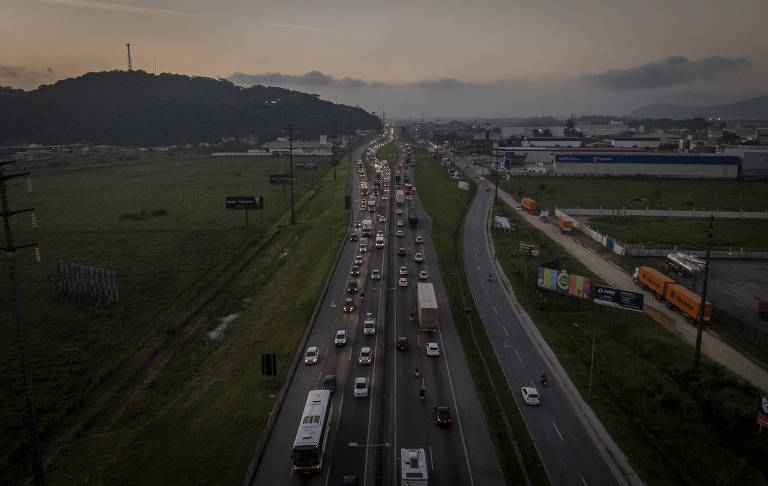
x: 389, y: 153
x: 640, y: 193
x: 196, y: 414
x: 674, y: 426
x: 447, y: 206
x: 687, y: 233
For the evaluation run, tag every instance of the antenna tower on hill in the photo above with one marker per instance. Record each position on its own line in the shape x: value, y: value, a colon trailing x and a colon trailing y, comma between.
x: 128, y: 46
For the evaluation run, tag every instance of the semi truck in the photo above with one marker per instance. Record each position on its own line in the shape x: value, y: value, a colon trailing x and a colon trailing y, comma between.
x: 367, y: 227
x: 413, y: 467
x: 427, y: 307
x: 676, y: 296
x: 565, y: 223
x: 528, y: 204
x: 413, y: 218
x: 400, y: 197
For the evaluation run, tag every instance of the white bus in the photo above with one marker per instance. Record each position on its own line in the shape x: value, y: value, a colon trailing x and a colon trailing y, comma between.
x: 309, y: 445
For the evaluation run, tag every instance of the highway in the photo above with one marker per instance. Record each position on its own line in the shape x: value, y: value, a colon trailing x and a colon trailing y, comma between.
x: 567, y: 449
x: 366, y: 434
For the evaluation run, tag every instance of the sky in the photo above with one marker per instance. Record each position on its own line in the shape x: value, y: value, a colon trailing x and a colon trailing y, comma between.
x: 443, y: 58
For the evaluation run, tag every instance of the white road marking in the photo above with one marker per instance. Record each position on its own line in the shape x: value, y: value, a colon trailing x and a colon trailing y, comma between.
x: 494, y: 309
x: 333, y: 304
x: 558, y: 432
x: 488, y: 294
x: 520, y: 358
x: 431, y: 458
x: 583, y: 481
x: 505, y: 330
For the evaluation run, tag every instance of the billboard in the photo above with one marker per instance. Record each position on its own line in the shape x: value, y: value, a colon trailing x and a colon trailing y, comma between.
x: 245, y: 202
x: 563, y: 282
x: 281, y: 179
x: 762, y: 412
x: 618, y: 298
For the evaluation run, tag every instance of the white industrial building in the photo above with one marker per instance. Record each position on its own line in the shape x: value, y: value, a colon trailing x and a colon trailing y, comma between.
x: 636, y: 142
x: 647, y: 164
x: 282, y: 147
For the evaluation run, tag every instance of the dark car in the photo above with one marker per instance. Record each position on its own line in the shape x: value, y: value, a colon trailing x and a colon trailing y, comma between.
x: 402, y: 252
x: 352, y: 286
x: 329, y: 383
x: 353, y: 237
x: 402, y: 343
x: 443, y: 415
x: 355, y: 272
x: 349, y: 305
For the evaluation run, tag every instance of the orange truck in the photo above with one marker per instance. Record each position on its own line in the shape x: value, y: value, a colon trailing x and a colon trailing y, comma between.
x: 528, y: 204
x: 648, y: 277
x: 688, y: 302
x: 565, y: 223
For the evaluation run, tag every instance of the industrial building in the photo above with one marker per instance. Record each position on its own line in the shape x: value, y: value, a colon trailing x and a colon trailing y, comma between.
x: 636, y: 142
x: 647, y: 164
x: 282, y: 147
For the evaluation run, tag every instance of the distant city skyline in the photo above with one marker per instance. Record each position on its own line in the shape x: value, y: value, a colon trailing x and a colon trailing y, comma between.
x: 485, y: 58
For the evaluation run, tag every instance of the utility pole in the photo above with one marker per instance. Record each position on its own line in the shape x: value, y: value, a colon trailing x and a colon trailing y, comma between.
x: 496, y: 189
x: 30, y: 420
x: 333, y: 149
x: 699, y: 323
x: 291, y: 129
x: 130, y: 67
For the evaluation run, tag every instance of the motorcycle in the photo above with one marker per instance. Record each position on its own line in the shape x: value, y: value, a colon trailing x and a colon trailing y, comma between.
x: 412, y: 316
x: 417, y: 372
x: 543, y: 380
x: 421, y: 394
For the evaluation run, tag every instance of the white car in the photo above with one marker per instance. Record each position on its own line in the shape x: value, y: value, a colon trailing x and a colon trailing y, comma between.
x: 530, y: 395
x: 341, y: 338
x: 400, y: 223
x: 403, y: 282
x: 366, y: 357
x: 358, y: 260
x: 369, y: 324
x: 382, y: 219
x: 423, y: 275
x: 399, y: 233
x: 403, y: 270
x: 418, y: 257
x: 361, y: 387
x: 398, y: 211
x: 375, y: 274
x: 312, y: 355
x: 419, y: 239
x: 433, y: 349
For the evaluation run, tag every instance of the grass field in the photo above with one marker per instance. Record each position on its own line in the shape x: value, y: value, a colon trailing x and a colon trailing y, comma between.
x: 687, y: 233
x: 447, y: 206
x: 640, y: 193
x: 675, y: 427
x: 196, y: 413
x: 389, y: 153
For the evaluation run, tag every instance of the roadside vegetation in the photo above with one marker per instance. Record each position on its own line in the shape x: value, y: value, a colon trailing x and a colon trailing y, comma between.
x: 388, y: 152
x: 640, y: 193
x: 165, y: 387
x: 447, y: 207
x: 675, y: 426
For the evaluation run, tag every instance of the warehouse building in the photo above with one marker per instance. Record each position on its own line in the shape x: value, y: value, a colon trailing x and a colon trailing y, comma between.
x: 646, y: 164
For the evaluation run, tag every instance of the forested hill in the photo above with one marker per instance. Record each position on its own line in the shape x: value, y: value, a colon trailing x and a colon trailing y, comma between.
x: 139, y: 108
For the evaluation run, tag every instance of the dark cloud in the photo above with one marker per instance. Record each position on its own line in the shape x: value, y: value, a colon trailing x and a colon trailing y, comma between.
x: 312, y: 79
x: 21, y: 77
x: 670, y: 71
x: 444, y: 84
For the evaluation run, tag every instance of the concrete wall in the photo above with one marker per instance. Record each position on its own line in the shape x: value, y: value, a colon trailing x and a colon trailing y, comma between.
x: 662, y: 170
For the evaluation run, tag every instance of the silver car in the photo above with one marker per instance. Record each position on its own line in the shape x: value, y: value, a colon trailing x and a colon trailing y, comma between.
x: 361, y: 387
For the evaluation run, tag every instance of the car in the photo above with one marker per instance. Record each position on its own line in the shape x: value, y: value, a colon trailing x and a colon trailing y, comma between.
x: 361, y: 387
x: 399, y: 233
x: 518, y: 208
x: 380, y: 233
x: 341, y: 338
x: 358, y: 259
x: 349, y: 305
x: 418, y: 257
x: 442, y: 415
x: 530, y: 395
x: 399, y: 211
x: 419, y: 239
x: 401, y: 251
x: 312, y: 355
x: 358, y: 224
x: 413, y: 188
x: 329, y: 383
x: 382, y: 219
x: 352, y: 286
x: 384, y: 197
x: 403, y: 282
x: 402, y: 343
x: 400, y: 223
x: 354, y: 237
x: 433, y: 349
x: 369, y: 324
x: 375, y: 274
x: 366, y: 357
x: 423, y: 275
x: 363, y: 247
x: 403, y: 270
x: 409, y: 197
x: 355, y: 271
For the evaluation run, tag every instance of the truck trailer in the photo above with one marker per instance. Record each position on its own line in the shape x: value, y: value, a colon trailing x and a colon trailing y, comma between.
x: 413, y: 467
x: 528, y: 204
x: 400, y: 197
x: 565, y: 223
x: 427, y: 304
x: 367, y: 227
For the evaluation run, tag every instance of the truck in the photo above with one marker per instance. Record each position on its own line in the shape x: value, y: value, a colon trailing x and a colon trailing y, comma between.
x: 565, y: 223
x: 372, y: 205
x: 544, y: 215
x: 367, y: 227
x: 427, y: 307
x: 687, y: 302
x: 400, y: 197
x: 413, y: 218
x: 413, y: 467
x: 650, y: 278
x: 528, y: 203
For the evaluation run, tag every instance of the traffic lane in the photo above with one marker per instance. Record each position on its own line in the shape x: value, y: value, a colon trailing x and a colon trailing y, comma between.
x: 561, y: 440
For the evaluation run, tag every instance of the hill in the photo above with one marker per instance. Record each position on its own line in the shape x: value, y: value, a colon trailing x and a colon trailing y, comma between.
x: 139, y: 108
x: 749, y: 108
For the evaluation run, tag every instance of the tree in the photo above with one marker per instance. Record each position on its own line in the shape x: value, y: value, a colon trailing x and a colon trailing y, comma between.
x: 570, y: 131
x: 729, y: 138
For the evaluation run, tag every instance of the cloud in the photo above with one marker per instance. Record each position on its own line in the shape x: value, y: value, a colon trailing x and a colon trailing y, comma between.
x: 667, y: 72
x: 312, y: 79
x: 115, y: 7
x: 21, y: 77
x: 445, y: 84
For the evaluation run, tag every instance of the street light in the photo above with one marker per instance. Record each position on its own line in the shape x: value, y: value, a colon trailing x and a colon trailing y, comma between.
x: 355, y: 444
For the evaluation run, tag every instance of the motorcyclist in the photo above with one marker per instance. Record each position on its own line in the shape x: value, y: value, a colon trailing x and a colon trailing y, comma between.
x: 417, y: 372
x: 421, y: 393
x: 543, y: 379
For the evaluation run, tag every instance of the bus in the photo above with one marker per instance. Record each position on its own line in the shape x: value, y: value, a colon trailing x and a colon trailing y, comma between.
x: 309, y: 445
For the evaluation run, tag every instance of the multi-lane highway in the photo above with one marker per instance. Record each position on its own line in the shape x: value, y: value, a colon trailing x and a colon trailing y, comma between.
x: 365, y: 434
x: 567, y: 447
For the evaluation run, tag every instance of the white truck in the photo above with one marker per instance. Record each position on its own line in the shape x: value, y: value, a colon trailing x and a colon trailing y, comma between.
x: 427, y: 307
x: 413, y: 467
x: 371, y: 205
x: 367, y: 227
x: 400, y: 197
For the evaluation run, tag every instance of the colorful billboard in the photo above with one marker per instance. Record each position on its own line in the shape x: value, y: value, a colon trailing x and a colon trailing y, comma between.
x: 564, y: 282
